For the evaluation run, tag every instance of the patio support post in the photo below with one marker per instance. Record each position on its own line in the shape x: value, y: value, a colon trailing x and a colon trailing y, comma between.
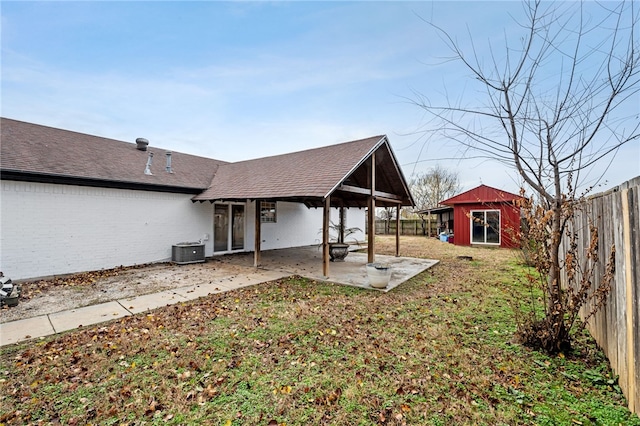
x: 326, y: 211
x: 341, y: 234
x: 398, y: 230
x: 371, y: 235
x: 258, y: 236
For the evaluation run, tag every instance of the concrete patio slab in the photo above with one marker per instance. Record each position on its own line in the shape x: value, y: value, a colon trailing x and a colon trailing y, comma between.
x: 89, y: 315
x: 30, y: 328
x: 353, y: 270
x: 307, y: 262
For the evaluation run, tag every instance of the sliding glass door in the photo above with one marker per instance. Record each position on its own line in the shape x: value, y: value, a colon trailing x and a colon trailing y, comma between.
x: 237, y: 227
x: 228, y: 227
x: 485, y: 227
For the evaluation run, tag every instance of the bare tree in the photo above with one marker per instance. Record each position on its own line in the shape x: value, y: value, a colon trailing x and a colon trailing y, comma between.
x: 430, y: 188
x: 554, y: 111
x: 387, y: 214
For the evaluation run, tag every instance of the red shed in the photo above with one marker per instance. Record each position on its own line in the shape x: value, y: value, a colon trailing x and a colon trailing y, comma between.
x: 485, y: 216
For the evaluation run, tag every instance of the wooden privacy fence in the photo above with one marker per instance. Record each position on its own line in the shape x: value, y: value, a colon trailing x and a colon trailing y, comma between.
x: 616, y: 214
x: 407, y: 227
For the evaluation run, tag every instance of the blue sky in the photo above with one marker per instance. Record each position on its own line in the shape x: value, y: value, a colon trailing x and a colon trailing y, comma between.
x: 239, y: 80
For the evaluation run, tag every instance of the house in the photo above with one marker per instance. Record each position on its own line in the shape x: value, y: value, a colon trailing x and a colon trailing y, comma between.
x: 481, y: 216
x: 73, y: 202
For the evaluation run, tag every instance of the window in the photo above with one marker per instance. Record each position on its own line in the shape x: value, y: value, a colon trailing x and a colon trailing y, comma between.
x: 268, y: 212
x: 485, y: 227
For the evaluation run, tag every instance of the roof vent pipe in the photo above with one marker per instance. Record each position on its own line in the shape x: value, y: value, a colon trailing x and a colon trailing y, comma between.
x: 147, y: 170
x: 141, y: 144
x: 168, y: 168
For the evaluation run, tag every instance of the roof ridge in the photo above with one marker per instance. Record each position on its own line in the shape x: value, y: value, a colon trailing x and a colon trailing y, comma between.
x: 88, y: 135
x: 304, y: 151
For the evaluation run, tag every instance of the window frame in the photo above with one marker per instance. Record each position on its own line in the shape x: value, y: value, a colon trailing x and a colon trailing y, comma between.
x: 484, y: 222
x: 268, y: 211
x: 229, y: 231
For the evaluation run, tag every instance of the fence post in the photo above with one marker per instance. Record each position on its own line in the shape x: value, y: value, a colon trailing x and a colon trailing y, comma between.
x: 631, y: 359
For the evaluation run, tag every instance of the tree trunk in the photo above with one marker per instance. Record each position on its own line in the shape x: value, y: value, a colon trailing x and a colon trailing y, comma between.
x: 556, y: 305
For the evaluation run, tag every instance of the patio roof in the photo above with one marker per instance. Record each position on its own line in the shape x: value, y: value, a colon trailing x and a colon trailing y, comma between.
x: 361, y: 173
x: 340, y: 172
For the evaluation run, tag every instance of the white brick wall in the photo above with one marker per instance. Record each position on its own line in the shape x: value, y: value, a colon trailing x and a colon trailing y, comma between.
x: 49, y: 229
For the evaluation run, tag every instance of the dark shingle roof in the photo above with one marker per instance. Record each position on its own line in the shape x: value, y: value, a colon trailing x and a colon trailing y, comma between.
x: 34, y: 150
x: 299, y: 175
x: 44, y: 154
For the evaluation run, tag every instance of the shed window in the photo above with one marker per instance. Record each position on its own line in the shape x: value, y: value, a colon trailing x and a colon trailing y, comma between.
x: 485, y: 227
x: 268, y: 212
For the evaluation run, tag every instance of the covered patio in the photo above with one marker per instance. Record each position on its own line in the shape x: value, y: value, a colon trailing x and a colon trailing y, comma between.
x: 357, y: 174
x: 307, y: 262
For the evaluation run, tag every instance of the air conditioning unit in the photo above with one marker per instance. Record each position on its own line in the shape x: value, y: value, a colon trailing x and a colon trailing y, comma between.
x: 183, y: 253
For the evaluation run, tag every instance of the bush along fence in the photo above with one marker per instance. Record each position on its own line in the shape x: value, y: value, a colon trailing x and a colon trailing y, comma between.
x: 407, y: 227
x: 616, y: 215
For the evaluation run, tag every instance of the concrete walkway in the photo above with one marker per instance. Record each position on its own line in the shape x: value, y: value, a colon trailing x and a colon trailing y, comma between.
x: 46, y: 325
x: 276, y: 264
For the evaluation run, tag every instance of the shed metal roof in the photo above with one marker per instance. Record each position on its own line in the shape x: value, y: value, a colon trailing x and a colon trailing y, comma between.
x: 482, y: 194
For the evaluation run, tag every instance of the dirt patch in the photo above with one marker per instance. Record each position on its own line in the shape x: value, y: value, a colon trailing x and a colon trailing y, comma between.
x: 61, y: 293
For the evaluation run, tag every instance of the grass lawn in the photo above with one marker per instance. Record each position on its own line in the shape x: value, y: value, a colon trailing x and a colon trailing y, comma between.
x: 437, y: 350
